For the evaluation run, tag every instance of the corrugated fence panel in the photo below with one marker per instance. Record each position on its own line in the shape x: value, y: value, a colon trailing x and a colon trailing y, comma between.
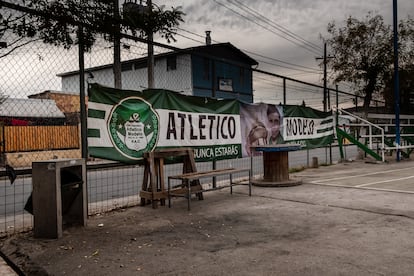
x: 32, y: 138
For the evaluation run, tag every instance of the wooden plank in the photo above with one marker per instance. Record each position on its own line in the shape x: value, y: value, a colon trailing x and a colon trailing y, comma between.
x: 153, y: 188
x: 144, y: 187
x: 30, y: 138
x: 197, y: 175
x: 164, y: 153
x: 189, y: 189
x: 153, y: 195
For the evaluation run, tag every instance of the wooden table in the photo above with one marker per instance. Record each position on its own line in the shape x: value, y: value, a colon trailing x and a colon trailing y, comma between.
x: 276, y: 165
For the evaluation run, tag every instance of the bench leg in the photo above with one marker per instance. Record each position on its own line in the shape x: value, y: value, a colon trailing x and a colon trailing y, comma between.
x: 188, y: 195
x: 169, y: 196
x: 250, y: 183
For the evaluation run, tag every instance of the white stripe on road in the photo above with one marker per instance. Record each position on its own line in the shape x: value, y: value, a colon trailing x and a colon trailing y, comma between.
x: 365, y: 188
x: 360, y: 175
x: 385, y: 181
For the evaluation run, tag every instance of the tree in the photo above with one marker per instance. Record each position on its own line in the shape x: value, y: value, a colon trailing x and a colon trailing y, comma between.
x: 406, y: 42
x: 363, y: 55
x: 406, y: 71
x: 144, y: 20
x: 150, y: 19
x: 406, y: 85
x: 57, y: 22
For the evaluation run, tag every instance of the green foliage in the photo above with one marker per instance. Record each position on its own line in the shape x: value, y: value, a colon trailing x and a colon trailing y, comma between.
x: 406, y: 70
x: 155, y: 20
x: 57, y: 22
x: 363, y: 54
x: 297, y: 169
x: 406, y: 39
x: 406, y: 86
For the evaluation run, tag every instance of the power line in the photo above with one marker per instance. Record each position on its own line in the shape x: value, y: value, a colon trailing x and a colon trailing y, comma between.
x: 278, y: 26
x: 281, y: 61
x: 313, y: 70
x: 189, y: 38
x: 270, y: 30
x: 193, y: 33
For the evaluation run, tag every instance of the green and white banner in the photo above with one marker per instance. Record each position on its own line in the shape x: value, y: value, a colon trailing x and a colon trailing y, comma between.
x: 123, y: 124
x: 264, y: 124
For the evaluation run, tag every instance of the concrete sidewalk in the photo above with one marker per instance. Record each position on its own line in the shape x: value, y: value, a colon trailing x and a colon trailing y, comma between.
x: 327, y: 228
x: 5, y: 269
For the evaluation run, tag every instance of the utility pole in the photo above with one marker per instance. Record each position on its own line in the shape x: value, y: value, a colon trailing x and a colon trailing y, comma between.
x: 396, y: 80
x: 325, y: 104
x: 325, y: 88
x: 117, y: 47
x: 133, y: 9
x: 325, y: 91
x: 150, y: 52
x: 83, y: 119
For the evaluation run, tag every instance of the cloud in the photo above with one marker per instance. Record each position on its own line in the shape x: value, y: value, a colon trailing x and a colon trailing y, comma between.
x: 307, y: 19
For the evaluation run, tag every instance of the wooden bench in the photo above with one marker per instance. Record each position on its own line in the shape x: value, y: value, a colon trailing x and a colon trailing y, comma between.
x: 153, y: 188
x: 187, y: 178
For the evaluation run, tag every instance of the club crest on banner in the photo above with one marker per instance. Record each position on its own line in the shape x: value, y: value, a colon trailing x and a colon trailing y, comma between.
x: 133, y: 126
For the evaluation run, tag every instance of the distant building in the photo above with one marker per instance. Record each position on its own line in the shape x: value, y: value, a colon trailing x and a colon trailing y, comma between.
x: 213, y: 70
x: 15, y: 111
x: 67, y: 102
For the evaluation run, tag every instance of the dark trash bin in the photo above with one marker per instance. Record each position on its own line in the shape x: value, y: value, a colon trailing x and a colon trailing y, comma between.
x: 59, y: 196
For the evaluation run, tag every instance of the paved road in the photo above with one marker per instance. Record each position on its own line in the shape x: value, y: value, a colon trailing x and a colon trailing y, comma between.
x: 393, y: 176
x: 310, y: 229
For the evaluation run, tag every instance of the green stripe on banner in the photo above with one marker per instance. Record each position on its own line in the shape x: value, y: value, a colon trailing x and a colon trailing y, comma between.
x: 98, y: 114
x: 94, y: 133
x: 325, y: 129
x: 327, y: 121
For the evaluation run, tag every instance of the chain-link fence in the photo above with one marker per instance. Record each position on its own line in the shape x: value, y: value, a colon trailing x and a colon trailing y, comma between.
x: 40, y: 118
x: 277, y: 89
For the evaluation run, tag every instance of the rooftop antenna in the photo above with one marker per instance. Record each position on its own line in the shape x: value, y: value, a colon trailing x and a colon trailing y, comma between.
x: 208, y: 38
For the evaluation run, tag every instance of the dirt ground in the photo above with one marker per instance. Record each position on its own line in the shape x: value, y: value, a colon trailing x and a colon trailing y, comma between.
x: 302, y: 230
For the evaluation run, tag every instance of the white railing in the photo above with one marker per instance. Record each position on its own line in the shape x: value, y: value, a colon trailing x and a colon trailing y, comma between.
x: 370, y: 126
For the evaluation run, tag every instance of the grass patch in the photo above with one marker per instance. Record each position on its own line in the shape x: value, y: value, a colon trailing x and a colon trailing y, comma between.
x: 294, y: 170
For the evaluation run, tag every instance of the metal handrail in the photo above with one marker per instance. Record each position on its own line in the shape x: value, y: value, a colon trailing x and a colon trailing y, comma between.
x: 370, y: 134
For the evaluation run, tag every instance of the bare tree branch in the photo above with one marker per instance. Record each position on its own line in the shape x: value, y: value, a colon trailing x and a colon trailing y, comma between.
x: 18, y: 46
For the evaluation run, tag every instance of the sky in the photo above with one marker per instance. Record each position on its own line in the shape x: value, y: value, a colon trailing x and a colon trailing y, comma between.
x: 274, y: 31
x: 284, y: 36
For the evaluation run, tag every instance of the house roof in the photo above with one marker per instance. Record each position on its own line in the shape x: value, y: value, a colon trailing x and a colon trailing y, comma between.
x: 223, y: 51
x: 67, y: 102
x: 46, y: 93
x: 32, y: 108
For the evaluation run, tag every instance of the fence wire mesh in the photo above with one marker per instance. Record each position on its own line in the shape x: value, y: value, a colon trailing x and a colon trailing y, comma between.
x: 40, y: 117
x: 275, y: 89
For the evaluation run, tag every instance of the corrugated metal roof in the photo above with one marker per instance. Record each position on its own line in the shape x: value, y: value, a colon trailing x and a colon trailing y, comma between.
x: 33, y: 108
